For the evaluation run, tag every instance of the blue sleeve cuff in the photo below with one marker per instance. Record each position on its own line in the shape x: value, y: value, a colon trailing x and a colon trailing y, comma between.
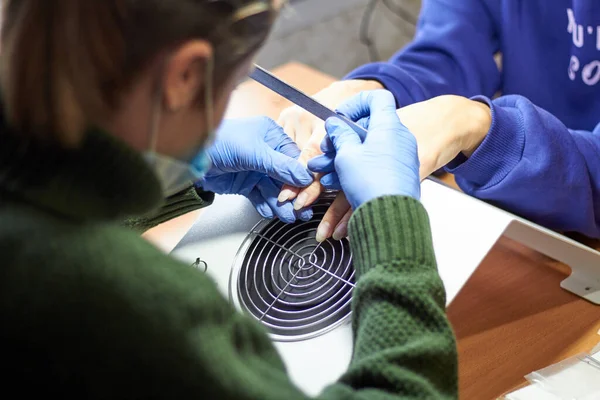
x: 393, y: 79
x: 498, y: 154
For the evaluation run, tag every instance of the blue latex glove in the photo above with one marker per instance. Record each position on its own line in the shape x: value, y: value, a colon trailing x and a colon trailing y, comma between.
x: 326, y: 162
x: 385, y: 163
x: 254, y: 157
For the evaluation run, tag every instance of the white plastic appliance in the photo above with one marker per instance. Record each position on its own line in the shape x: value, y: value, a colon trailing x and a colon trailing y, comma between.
x: 301, y: 291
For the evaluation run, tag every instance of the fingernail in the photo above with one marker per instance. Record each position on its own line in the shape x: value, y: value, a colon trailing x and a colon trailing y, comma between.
x: 306, y: 215
x: 300, y: 201
x: 340, y: 232
x: 322, y: 232
x: 284, y: 195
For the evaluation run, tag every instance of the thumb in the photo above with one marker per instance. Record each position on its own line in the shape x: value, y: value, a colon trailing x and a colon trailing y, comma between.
x: 341, y: 134
x: 288, y: 147
x: 383, y: 109
x: 283, y: 168
x: 277, y: 139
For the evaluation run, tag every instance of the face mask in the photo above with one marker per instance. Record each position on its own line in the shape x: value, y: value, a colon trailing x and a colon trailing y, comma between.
x: 176, y: 175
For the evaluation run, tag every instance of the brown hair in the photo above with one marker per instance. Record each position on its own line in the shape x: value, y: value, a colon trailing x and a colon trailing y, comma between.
x: 65, y: 63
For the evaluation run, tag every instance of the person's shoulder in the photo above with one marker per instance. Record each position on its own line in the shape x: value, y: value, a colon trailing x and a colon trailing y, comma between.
x: 62, y: 257
x: 49, y: 237
x: 100, y: 298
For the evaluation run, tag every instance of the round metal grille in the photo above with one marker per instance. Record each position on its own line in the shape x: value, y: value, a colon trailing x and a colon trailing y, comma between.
x: 295, y: 286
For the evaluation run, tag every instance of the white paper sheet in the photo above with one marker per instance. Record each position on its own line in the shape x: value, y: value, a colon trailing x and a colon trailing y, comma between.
x: 535, y: 392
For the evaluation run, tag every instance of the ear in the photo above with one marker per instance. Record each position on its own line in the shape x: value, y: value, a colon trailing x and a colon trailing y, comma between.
x: 185, y: 74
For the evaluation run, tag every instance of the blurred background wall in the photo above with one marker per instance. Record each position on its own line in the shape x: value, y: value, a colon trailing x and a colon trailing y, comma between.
x: 330, y: 35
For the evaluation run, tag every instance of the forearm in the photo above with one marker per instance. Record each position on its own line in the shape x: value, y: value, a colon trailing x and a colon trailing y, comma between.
x: 404, y: 345
x: 534, y: 166
x: 170, y: 334
x: 179, y: 204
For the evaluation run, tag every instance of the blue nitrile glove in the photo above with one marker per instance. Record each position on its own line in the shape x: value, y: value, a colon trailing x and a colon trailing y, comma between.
x: 385, y: 163
x: 254, y: 157
x: 326, y: 162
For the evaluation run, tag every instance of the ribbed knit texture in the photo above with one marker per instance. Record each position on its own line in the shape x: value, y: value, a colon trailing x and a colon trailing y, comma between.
x: 175, y: 206
x: 382, y: 226
x: 500, y: 151
x: 89, y: 310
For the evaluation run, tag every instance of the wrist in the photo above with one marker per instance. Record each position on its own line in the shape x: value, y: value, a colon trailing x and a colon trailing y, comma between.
x: 414, y: 192
x: 366, y: 84
x: 358, y: 85
x: 340, y: 91
x: 480, y: 121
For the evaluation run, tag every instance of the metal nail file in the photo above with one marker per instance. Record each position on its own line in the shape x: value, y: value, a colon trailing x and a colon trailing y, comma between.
x: 299, y: 98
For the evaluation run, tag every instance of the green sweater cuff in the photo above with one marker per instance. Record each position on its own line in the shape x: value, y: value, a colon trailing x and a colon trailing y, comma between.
x: 388, y: 229
x: 175, y: 206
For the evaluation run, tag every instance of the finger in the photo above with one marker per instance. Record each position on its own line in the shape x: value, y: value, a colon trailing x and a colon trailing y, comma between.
x: 310, y: 151
x: 341, y: 134
x: 311, y: 193
x: 283, y: 168
x: 341, y: 230
x: 281, y: 142
x: 289, y: 130
x: 333, y: 217
x: 327, y: 146
x: 318, y: 138
x: 305, y: 214
x: 288, y: 193
x: 289, y: 148
x: 379, y: 105
x: 288, y: 125
x: 364, y: 122
x: 317, y: 135
x: 275, y: 158
x: 297, y: 124
x: 260, y: 204
x: 304, y: 134
x: 269, y: 191
x: 313, y: 132
x: 356, y: 107
x: 383, y: 109
x: 331, y: 181
x: 243, y: 183
x: 323, y: 164
x: 308, y: 195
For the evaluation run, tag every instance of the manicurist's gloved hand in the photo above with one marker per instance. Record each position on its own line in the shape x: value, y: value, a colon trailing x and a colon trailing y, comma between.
x: 253, y: 157
x: 386, y: 163
x: 308, y: 131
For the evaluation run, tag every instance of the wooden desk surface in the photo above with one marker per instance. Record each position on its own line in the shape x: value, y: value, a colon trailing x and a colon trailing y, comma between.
x: 510, y: 319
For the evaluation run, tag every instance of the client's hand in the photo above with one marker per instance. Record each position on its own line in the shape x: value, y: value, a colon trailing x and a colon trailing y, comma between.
x: 386, y: 163
x: 254, y: 157
x: 443, y: 126
x: 308, y: 132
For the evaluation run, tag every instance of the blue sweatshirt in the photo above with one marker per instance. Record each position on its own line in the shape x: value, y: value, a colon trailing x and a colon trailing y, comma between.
x: 541, y: 158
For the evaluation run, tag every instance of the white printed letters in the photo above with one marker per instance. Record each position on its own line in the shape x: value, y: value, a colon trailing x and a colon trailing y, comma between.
x: 590, y: 73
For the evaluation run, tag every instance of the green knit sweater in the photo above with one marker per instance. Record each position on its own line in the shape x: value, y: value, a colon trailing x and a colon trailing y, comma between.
x: 89, y: 310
